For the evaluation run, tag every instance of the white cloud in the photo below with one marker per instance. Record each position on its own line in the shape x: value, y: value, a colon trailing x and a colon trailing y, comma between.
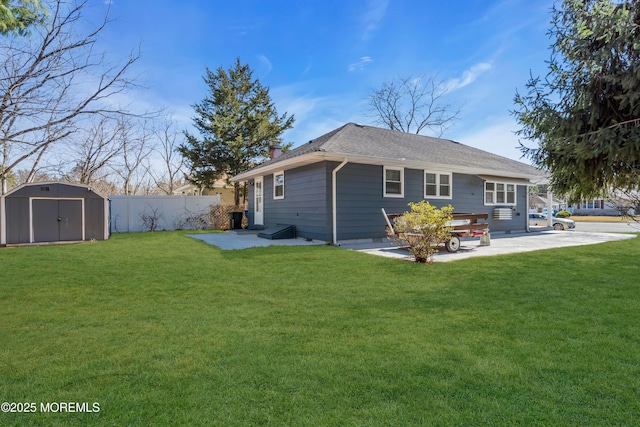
x: 497, y: 138
x: 314, y: 115
x: 373, y: 16
x: 359, y: 66
x: 266, y: 64
x: 468, y: 76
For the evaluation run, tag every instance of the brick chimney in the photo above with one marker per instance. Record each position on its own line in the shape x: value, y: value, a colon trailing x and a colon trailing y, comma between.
x: 275, y: 151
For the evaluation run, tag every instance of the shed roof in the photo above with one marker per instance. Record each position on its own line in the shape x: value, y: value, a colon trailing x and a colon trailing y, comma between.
x: 19, y: 188
x: 367, y: 144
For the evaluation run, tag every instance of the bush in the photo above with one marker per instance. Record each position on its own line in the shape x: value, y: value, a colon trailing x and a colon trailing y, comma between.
x: 424, y: 229
x: 563, y: 214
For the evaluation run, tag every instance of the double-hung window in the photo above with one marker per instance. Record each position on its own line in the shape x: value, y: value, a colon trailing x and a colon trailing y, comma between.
x: 393, y: 182
x: 592, y: 204
x: 437, y: 185
x: 278, y: 185
x: 499, y: 193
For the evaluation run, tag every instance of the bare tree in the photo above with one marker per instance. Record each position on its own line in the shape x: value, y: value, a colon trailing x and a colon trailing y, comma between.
x: 412, y: 104
x: 94, y: 148
x: 169, y: 139
x: 136, y: 140
x: 627, y: 203
x: 24, y: 175
x: 48, y: 80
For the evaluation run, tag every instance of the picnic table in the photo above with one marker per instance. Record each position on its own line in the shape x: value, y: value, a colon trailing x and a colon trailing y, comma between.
x: 463, y: 224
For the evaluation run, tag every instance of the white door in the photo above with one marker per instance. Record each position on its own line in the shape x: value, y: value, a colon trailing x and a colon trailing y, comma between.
x: 258, y: 201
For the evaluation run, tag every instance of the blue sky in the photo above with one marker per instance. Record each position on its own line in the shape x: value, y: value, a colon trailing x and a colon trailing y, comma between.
x: 320, y: 59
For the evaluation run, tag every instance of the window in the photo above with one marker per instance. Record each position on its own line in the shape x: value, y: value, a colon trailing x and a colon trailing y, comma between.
x: 393, y: 182
x: 592, y: 204
x: 278, y: 185
x: 437, y: 185
x: 499, y: 193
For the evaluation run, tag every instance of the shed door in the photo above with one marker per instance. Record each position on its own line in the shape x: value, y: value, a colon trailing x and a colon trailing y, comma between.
x: 57, y: 220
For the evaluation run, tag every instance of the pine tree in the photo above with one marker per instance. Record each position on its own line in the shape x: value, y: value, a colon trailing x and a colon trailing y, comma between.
x: 237, y: 123
x: 585, y: 115
x: 17, y: 15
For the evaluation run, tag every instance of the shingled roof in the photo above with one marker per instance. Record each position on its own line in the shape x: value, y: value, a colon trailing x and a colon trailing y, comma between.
x: 368, y: 144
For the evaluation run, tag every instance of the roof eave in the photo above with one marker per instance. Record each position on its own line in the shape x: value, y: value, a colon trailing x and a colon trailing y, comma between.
x: 302, y: 160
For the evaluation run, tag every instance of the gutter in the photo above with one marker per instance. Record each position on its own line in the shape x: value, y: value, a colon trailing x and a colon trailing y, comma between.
x: 334, y: 197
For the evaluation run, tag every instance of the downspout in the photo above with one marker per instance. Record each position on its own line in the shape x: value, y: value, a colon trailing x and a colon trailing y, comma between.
x: 334, y: 197
x: 526, y: 213
x: 549, y: 207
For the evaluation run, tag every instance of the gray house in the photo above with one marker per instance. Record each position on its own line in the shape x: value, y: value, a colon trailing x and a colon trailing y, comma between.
x: 53, y: 212
x: 333, y: 187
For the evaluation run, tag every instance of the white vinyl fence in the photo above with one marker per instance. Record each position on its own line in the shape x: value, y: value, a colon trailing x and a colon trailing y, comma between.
x: 147, y: 213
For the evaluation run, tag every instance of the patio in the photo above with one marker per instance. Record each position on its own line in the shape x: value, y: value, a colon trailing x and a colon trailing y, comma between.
x: 500, y: 243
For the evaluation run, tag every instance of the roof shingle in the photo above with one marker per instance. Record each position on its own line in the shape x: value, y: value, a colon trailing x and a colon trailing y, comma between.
x: 354, y: 140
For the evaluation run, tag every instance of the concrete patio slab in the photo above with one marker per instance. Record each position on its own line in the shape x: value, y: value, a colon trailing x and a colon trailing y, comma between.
x: 244, y: 239
x: 500, y: 244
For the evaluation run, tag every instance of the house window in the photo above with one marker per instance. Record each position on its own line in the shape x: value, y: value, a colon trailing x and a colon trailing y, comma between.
x: 437, y: 185
x: 499, y: 193
x: 393, y: 182
x: 592, y: 204
x: 278, y: 185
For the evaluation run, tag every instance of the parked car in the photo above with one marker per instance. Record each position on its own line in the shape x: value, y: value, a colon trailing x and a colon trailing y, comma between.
x: 540, y: 220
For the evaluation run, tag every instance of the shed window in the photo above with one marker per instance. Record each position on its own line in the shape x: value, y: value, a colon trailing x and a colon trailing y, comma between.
x: 437, y: 185
x: 499, y: 193
x: 393, y: 182
x: 278, y: 185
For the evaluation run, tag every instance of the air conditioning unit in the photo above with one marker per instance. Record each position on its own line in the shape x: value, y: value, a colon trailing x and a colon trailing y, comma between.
x: 502, y: 213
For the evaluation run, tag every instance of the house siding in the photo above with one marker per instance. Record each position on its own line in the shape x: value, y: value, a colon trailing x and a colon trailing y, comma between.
x: 307, y: 201
x: 360, y: 197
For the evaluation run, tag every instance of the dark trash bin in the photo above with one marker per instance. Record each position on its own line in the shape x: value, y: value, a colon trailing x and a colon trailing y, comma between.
x: 235, y: 220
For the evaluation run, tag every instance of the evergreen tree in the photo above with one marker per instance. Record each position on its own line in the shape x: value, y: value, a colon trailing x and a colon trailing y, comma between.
x: 17, y: 15
x: 585, y: 115
x: 237, y: 123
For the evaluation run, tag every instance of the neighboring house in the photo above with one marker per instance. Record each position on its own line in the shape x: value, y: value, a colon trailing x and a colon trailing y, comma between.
x: 220, y: 187
x: 539, y: 203
x: 597, y: 207
x: 333, y: 187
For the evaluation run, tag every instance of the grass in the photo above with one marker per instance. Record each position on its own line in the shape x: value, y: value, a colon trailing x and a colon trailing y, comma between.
x: 161, y: 329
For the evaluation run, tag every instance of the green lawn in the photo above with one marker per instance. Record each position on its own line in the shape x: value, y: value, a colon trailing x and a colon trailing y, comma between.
x: 162, y: 329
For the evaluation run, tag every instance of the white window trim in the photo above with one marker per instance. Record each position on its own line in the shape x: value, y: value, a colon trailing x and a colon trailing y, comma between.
x: 384, y: 181
x: 438, y: 175
x: 495, y: 203
x: 591, y: 204
x: 274, y: 185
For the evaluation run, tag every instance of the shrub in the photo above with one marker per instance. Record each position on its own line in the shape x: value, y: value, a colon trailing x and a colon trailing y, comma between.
x: 563, y: 214
x: 151, y: 220
x: 424, y: 229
